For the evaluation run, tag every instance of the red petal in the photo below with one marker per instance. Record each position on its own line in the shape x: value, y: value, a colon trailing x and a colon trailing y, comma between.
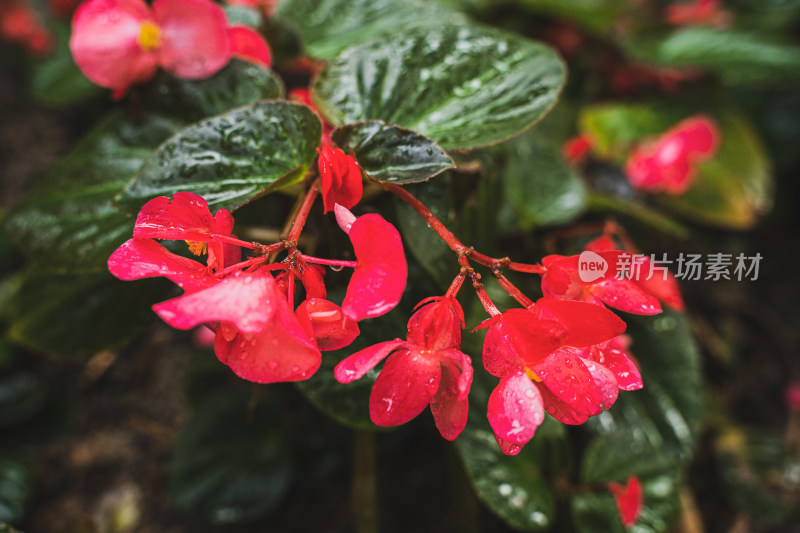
x: 449, y: 407
x: 437, y: 324
x: 464, y: 364
x: 586, y: 323
x: 699, y: 134
x: 629, y: 499
x: 104, y: 42
x: 626, y: 295
x: 615, y: 356
x: 361, y: 362
x: 560, y: 410
x: 248, y: 301
x: 194, y: 34
x: 515, y: 409
x: 330, y: 328
x: 605, y: 380
x: 183, y: 218
x: 248, y: 44
x: 566, y: 376
x: 313, y: 281
x: 518, y: 339
x: 664, y: 288
x: 145, y: 258
x: 380, y: 275
x: 340, y: 178
x: 404, y: 387
x: 280, y: 352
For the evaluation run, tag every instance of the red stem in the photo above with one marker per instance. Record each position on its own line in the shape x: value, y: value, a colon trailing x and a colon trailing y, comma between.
x: 237, y: 242
x: 240, y: 266
x: 452, y: 291
x: 302, y: 214
x: 330, y: 262
x: 512, y: 290
x: 486, y: 301
x: 529, y: 269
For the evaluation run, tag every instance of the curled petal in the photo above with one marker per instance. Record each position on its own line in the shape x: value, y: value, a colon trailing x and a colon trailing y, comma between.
x: 566, y: 376
x: 626, y: 295
x: 605, y: 381
x: 185, y: 217
x: 340, y: 178
x: 329, y: 327
x: 464, y: 365
x: 515, y: 409
x: 437, y: 324
x: 629, y: 499
x: 145, y: 258
x: 313, y: 281
x: 248, y: 301
x: 405, y: 386
x: 560, y: 410
x: 105, y: 42
x: 615, y: 356
x: 519, y: 339
x: 449, y: 406
x: 361, y: 362
x: 586, y: 323
x: 195, y: 40
x: 380, y: 274
x: 248, y: 44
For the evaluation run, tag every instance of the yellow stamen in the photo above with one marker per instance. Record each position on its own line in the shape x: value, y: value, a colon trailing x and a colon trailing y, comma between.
x: 197, y: 247
x: 532, y: 375
x: 149, y: 37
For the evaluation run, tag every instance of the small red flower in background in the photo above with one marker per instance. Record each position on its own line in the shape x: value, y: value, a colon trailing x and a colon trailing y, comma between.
x: 556, y: 356
x: 304, y: 97
x: 669, y: 164
x: 118, y: 43
x: 20, y: 23
x: 426, y: 368
x: 629, y: 499
x: 698, y: 13
x: 249, y: 45
x: 576, y: 149
x: 340, y: 178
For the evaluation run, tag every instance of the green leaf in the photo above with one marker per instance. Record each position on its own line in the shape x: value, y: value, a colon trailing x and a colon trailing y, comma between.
x: 538, y: 183
x: 22, y: 395
x: 735, y: 56
x: 732, y: 190
x: 230, y: 466
x: 513, y: 487
x: 80, y: 314
x: 231, y: 158
x: 390, y: 153
x: 462, y: 86
x: 329, y: 26
x: 243, y: 15
x: 239, y: 83
x: 595, y: 15
x: 16, y: 487
x: 69, y: 222
x: 666, y: 413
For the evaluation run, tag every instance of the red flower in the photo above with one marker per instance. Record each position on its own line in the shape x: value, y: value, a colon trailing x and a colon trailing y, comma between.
x: 698, y: 12
x: 426, y: 368
x: 547, y: 359
x: 576, y: 149
x: 381, y: 271
x: 669, y: 164
x: 340, y: 176
x: 248, y: 44
x: 20, y: 23
x: 563, y: 280
x: 629, y: 499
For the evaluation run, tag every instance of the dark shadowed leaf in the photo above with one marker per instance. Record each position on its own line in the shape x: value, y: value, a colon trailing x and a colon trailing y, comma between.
x: 329, y: 26
x: 596, y: 15
x: 16, y: 488
x: 391, y: 153
x: 462, y: 86
x: 231, y: 158
x: 22, y: 395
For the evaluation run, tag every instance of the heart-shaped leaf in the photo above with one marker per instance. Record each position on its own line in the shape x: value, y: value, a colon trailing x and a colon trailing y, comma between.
x: 462, y: 86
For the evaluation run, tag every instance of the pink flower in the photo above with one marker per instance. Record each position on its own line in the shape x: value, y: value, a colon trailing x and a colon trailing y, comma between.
x: 20, y: 23
x: 554, y: 356
x: 340, y: 177
x: 381, y: 270
x: 117, y: 43
x: 562, y: 280
x: 629, y: 499
x: 669, y: 164
x: 426, y: 368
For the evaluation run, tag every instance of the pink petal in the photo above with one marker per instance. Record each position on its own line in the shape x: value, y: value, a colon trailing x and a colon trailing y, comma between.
x: 361, y: 362
x: 699, y: 133
x: 464, y: 365
x: 380, y: 275
x: 248, y: 301
x: 665, y: 288
x: 515, y: 409
x: 248, y: 44
x: 615, y: 356
x: 517, y: 340
x: 629, y: 499
x: 280, y: 352
x: 344, y: 218
x: 183, y: 218
x: 437, y: 324
x: 313, y: 279
x: 340, y: 178
x: 104, y: 42
x: 145, y: 258
x: 404, y: 387
x: 449, y: 406
x: 626, y: 295
x: 194, y: 33
x: 560, y: 410
x: 605, y: 380
x: 586, y: 323
x: 329, y: 327
x: 566, y: 376
x: 508, y: 448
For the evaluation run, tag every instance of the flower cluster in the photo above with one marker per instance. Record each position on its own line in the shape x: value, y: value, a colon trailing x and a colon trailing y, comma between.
x: 118, y: 43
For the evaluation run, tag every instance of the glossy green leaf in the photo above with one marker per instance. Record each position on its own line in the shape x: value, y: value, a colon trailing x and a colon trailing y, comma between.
x: 81, y: 314
x: 239, y: 83
x: 733, y: 189
x: 595, y: 15
x: 538, y: 183
x: 737, y: 57
x: 243, y: 15
x: 329, y: 26
x: 230, y: 466
x: 665, y: 414
x: 16, y: 488
x: 22, y: 395
x: 390, y: 153
x: 231, y: 158
x: 69, y: 223
x: 462, y: 86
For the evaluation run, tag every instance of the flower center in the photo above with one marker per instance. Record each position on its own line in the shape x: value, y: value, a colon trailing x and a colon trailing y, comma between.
x: 149, y: 37
x: 197, y: 247
x: 530, y: 373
